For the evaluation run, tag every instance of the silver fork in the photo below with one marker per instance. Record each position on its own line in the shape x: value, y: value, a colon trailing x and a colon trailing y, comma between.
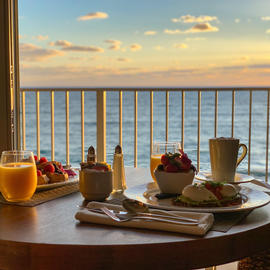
x: 125, y: 217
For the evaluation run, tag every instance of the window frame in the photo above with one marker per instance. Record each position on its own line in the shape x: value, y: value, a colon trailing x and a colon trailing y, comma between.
x: 9, y: 76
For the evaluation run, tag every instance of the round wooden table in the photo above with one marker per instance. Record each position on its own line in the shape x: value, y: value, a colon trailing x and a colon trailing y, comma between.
x: 48, y: 237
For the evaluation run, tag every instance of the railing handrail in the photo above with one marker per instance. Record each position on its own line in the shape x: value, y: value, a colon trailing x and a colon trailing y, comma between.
x: 132, y: 89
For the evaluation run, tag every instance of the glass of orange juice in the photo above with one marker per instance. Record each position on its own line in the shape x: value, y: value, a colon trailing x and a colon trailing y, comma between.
x: 160, y: 148
x: 18, y: 175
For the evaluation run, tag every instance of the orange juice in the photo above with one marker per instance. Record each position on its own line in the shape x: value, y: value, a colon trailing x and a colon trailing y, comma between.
x: 18, y: 181
x: 154, y: 162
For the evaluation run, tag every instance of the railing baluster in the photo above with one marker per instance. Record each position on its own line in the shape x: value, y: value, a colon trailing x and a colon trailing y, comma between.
x: 82, y: 126
x: 267, y: 136
x: 216, y: 114
x: 38, y: 124
x: 101, y: 125
x: 199, y: 130
x: 52, y: 126
x: 135, y: 126
x: 183, y: 121
x: 120, y: 117
x: 233, y: 111
x: 167, y: 116
x: 249, y: 132
x: 67, y: 128
x: 151, y: 121
x: 23, y: 121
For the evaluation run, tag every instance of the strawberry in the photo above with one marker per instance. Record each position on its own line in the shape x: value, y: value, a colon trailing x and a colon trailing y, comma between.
x: 171, y: 168
x: 36, y: 158
x: 165, y: 160
x: 39, y: 173
x: 43, y: 159
x: 49, y: 168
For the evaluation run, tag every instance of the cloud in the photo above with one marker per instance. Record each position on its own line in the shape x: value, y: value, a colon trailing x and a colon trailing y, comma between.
x: 150, y: 33
x: 41, y: 38
x: 135, y: 47
x: 32, y: 53
x: 180, y: 46
x: 237, y: 20
x: 61, y: 43
x: 121, y: 59
x: 202, y: 27
x: 68, y: 46
x: 115, y: 44
x: 172, y: 32
x: 92, y: 16
x: 79, y: 48
x: 266, y: 18
x: 193, y: 19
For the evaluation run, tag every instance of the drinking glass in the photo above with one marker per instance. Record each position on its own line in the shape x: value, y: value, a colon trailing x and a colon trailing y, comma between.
x: 18, y: 175
x: 160, y: 148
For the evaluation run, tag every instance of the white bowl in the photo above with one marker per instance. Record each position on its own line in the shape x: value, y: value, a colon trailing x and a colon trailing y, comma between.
x: 95, y: 185
x: 173, y: 182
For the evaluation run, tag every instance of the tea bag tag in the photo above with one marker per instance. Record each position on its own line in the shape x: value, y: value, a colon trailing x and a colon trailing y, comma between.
x: 119, y: 179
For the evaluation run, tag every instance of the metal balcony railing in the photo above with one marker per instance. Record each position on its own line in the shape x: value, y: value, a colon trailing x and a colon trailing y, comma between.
x: 101, y: 117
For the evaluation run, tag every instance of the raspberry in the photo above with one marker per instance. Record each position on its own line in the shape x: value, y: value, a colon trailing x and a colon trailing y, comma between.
x: 49, y: 168
x: 43, y: 159
x: 39, y: 173
x: 165, y: 160
x: 171, y: 168
x: 36, y: 158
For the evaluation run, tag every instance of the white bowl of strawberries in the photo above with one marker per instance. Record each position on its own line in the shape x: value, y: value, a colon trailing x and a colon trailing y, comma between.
x: 174, y: 173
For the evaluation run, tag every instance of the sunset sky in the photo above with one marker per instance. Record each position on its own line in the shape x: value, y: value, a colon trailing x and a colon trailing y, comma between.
x: 151, y: 43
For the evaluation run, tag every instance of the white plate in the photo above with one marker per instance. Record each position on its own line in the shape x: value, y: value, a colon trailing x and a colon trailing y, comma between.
x: 239, y: 178
x: 70, y: 181
x: 252, y: 199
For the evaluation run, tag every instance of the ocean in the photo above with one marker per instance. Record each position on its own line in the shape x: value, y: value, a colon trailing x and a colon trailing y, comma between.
x: 241, y: 125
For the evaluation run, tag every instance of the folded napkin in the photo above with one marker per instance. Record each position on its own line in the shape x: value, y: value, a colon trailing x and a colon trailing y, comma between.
x: 205, y: 220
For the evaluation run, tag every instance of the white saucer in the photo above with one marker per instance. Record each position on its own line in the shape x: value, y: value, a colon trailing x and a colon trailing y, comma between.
x: 239, y: 178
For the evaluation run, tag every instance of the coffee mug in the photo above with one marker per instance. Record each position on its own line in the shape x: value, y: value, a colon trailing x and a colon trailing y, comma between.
x: 224, y: 158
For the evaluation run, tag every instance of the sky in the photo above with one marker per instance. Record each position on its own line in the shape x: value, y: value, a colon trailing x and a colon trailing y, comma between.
x: 144, y: 43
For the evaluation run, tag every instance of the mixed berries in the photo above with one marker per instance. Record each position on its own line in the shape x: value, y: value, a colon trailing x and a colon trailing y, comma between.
x: 98, y: 166
x: 44, y: 166
x: 177, y: 162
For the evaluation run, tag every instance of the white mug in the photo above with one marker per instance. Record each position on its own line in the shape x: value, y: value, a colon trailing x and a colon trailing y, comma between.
x: 224, y: 158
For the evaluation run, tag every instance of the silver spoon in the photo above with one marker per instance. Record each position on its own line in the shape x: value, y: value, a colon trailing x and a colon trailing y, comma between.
x: 138, y: 208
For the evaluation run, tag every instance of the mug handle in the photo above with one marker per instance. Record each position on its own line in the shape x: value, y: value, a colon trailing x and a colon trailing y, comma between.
x: 244, y: 153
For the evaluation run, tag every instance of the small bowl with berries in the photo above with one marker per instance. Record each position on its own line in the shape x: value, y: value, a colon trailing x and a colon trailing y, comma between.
x: 174, y: 173
x: 95, y: 180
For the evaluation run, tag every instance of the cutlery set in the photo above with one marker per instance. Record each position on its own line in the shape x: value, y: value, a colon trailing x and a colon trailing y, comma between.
x: 122, y: 216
